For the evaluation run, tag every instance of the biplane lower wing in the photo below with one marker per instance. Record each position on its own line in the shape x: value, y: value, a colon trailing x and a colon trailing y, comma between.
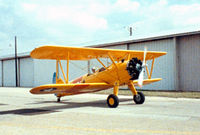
x: 79, y: 88
x: 70, y: 89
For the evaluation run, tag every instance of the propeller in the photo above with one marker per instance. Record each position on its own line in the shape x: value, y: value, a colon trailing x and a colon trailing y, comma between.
x: 141, y: 75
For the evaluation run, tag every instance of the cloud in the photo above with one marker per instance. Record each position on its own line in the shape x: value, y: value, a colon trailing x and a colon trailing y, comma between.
x: 162, y: 16
x: 127, y: 5
x: 37, y: 22
x: 185, y: 14
x: 66, y: 14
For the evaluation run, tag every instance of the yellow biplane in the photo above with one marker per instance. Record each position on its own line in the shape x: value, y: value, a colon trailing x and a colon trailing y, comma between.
x: 127, y: 68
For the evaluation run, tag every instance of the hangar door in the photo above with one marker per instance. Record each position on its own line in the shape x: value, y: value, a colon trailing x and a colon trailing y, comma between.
x: 1, y: 73
x: 189, y: 63
x: 26, y: 72
x: 9, y: 73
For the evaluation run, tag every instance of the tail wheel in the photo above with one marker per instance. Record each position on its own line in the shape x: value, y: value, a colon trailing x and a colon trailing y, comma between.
x: 58, y: 99
x: 139, y: 98
x: 112, y: 101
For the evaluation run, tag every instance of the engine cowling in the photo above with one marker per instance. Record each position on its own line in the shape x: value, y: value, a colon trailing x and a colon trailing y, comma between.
x: 134, y: 67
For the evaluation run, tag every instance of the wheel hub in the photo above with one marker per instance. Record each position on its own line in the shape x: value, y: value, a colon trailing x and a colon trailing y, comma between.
x: 138, y: 98
x: 111, y: 101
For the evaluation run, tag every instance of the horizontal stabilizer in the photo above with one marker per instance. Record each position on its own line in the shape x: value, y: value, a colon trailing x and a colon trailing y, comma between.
x: 147, y: 81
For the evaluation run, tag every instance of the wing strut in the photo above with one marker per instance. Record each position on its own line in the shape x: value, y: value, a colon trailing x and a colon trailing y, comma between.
x: 150, y: 75
x: 67, y: 67
x: 129, y: 56
x: 112, y: 59
x: 101, y: 62
x: 62, y: 71
x: 56, y: 70
x: 152, y: 67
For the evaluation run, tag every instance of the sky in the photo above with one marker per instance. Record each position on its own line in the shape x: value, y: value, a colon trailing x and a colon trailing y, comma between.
x: 89, y: 22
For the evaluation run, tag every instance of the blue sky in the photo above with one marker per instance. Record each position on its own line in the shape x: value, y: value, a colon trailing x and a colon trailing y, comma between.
x: 80, y: 22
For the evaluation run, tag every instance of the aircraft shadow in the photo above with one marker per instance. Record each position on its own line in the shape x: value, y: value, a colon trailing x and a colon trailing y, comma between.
x: 58, y: 107
x: 3, y: 104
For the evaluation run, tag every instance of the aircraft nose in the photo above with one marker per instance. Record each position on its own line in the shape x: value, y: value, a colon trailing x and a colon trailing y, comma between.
x: 134, y: 67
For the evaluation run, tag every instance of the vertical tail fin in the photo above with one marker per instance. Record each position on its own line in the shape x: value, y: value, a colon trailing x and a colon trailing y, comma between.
x: 54, y: 78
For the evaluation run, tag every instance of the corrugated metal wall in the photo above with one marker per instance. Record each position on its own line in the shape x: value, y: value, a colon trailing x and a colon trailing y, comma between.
x: 9, y: 73
x: 1, y: 73
x: 26, y: 72
x: 189, y: 63
x: 44, y: 69
x: 77, y: 69
x: 124, y: 47
x: 163, y: 66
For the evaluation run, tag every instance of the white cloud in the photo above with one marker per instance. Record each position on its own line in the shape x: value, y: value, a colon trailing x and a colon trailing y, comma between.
x: 67, y: 21
x: 66, y: 14
x: 185, y: 14
x: 161, y: 17
x: 127, y: 5
x: 29, y: 7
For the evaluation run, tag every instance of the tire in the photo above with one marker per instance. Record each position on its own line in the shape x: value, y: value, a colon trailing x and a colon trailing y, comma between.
x: 112, y: 101
x: 58, y: 99
x: 139, y: 98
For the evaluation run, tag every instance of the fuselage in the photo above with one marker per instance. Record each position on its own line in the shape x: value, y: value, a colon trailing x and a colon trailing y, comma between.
x: 107, y: 75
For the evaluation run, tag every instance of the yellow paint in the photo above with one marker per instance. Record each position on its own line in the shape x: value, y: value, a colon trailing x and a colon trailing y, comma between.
x: 112, y: 59
x: 116, y: 88
x: 83, y: 53
x: 152, y: 67
x: 149, y: 77
x: 59, y: 81
x: 100, y: 130
x: 67, y: 67
x: 62, y: 71
x: 129, y: 56
x: 132, y: 88
x: 111, y: 101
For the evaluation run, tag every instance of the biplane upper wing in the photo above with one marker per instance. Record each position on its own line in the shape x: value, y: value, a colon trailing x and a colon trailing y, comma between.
x: 70, y: 88
x: 83, y: 53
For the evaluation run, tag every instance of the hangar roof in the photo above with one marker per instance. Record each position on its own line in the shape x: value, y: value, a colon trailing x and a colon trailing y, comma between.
x: 12, y: 56
x: 144, y: 39
x: 115, y: 42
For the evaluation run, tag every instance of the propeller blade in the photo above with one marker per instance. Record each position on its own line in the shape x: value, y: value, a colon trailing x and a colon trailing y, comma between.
x: 141, y: 78
x: 145, y: 52
x: 141, y: 75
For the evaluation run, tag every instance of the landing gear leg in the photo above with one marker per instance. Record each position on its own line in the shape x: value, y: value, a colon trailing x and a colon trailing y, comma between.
x: 138, y: 97
x: 112, y: 99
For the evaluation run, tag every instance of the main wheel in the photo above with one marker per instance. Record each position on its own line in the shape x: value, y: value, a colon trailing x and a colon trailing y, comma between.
x: 139, y: 98
x: 112, y: 101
